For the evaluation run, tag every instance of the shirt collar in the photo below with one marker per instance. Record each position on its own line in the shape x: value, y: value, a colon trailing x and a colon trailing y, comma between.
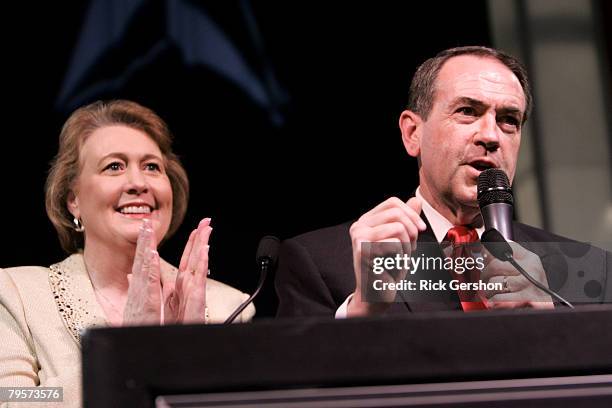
x: 439, y: 224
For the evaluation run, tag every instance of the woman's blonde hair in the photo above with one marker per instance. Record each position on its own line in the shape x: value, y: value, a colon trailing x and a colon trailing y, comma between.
x: 65, y: 166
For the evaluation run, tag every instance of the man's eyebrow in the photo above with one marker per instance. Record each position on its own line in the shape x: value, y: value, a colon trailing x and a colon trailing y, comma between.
x: 464, y: 100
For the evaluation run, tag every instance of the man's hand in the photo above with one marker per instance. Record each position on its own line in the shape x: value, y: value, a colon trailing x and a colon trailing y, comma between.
x: 518, y: 291
x: 392, y: 221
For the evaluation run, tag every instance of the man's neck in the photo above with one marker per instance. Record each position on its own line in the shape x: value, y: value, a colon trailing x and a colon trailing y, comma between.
x: 455, y: 214
x: 438, y: 222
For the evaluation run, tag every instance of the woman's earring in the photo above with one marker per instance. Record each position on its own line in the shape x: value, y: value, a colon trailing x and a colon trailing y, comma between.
x: 78, y: 225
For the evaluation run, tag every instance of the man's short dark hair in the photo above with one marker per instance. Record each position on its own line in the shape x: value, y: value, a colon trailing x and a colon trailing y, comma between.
x: 423, y: 86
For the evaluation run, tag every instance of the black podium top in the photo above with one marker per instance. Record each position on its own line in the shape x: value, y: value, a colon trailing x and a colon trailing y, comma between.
x: 131, y: 366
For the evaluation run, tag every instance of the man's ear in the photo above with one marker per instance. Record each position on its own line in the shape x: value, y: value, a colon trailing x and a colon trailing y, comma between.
x: 411, y: 125
x: 72, y: 202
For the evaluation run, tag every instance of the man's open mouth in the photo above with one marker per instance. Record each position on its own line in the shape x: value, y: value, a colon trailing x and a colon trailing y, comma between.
x: 482, y: 165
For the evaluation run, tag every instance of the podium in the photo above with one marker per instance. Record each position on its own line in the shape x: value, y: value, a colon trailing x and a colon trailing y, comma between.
x: 450, y: 359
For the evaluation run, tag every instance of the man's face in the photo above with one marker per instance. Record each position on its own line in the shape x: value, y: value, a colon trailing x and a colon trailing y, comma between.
x: 474, y: 124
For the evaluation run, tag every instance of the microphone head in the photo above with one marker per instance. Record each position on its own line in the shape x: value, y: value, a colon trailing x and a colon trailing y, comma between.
x: 494, y: 187
x: 496, y: 244
x: 268, y: 249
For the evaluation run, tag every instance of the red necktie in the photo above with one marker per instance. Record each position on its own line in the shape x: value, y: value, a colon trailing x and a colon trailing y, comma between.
x: 460, y: 237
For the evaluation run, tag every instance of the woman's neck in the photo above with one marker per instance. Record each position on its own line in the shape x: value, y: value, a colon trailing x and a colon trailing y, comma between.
x: 108, y: 266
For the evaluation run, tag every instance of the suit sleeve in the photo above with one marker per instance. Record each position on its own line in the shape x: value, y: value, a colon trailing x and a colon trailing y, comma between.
x: 300, y: 285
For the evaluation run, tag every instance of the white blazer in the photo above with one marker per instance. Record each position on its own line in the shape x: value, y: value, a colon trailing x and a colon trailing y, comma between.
x: 43, y: 311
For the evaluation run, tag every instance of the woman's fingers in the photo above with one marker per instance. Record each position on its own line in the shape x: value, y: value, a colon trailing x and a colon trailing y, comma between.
x: 201, y: 240
x: 144, y: 241
x: 187, y: 250
x: 189, y: 258
x: 188, y: 300
x: 143, y: 305
x: 195, y: 296
x: 151, y: 260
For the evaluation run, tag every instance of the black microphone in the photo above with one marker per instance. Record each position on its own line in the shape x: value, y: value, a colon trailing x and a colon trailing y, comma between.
x: 495, y: 243
x: 496, y: 201
x: 267, y: 254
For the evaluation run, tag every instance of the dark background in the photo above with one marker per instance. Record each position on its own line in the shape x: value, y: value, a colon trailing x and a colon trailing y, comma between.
x: 343, y: 69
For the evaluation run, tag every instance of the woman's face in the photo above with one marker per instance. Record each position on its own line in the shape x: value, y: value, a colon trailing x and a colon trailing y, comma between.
x: 122, y: 180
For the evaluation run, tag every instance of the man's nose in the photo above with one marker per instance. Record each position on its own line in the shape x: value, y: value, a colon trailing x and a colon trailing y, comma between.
x: 487, y: 135
x: 136, y: 181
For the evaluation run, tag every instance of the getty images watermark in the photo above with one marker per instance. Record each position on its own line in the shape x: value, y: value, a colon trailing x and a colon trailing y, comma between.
x: 579, y: 272
x: 397, y: 265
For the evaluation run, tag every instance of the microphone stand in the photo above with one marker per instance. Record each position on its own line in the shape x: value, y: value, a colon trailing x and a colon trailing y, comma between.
x: 497, y: 245
x: 263, y: 272
x: 523, y: 272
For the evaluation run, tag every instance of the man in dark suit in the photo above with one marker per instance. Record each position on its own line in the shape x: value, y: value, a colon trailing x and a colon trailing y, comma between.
x: 465, y: 114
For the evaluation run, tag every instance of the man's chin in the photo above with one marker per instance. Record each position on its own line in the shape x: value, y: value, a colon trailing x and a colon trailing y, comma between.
x: 468, y: 197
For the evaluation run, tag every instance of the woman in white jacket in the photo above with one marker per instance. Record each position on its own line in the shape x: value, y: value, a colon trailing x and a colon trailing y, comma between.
x: 115, y: 190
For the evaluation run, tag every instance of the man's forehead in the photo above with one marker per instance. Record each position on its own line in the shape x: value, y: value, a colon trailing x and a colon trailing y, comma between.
x: 474, y: 74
